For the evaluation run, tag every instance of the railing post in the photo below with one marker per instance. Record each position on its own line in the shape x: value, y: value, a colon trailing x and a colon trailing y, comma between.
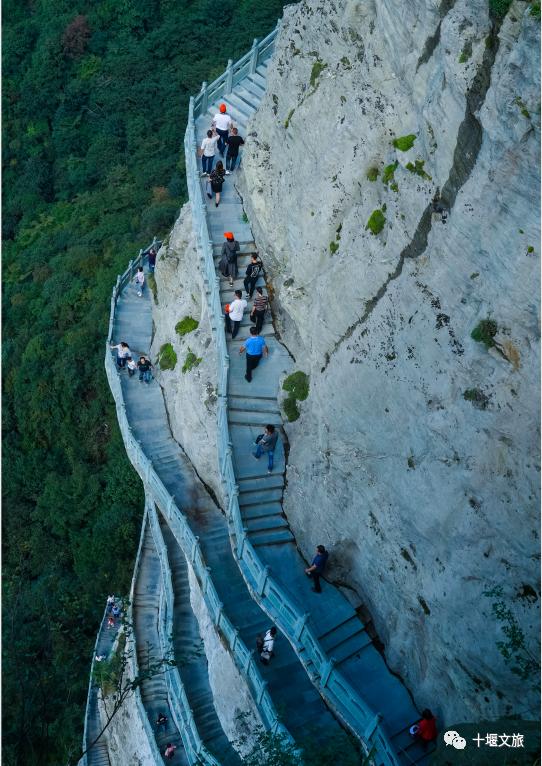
x: 328, y: 667
x: 249, y: 660
x: 263, y: 579
x: 254, y: 56
x: 300, y: 625
x: 372, y: 726
x: 194, y: 549
x: 261, y: 692
x: 219, y: 613
x: 203, y: 97
x: 229, y: 77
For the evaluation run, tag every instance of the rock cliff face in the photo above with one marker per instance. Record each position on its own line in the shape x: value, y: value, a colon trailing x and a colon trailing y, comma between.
x: 191, y: 395
x: 415, y: 457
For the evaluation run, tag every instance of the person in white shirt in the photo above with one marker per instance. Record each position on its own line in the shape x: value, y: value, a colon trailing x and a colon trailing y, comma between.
x: 123, y: 352
x: 139, y: 280
x: 132, y: 366
x: 235, y: 315
x: 222, y: 122
x: 208, y: 151
x: 268, y: 645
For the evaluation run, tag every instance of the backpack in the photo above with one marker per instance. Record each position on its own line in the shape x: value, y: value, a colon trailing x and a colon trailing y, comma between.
x: 259, y: 644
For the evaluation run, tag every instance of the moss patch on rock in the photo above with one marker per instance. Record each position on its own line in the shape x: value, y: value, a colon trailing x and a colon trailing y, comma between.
x: 388, y: 172
x: 376, y: 222
x: 291, y: 409
x: 167, y: 358
x: 417, y: 168
x: 404, y: 143
x: 372, y: 174
x: 317, y: 69
x: 297, y: 384
x: 186, y: 325
x: 190, y: 362
x: 484, y: 332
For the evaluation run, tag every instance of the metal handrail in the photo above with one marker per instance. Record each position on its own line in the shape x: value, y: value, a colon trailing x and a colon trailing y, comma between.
x: 182, y: 532
x: 182, y: 713
x: 289, y: 616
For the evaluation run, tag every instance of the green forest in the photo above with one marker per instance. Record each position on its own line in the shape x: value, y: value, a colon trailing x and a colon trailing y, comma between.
x: 95, y: 99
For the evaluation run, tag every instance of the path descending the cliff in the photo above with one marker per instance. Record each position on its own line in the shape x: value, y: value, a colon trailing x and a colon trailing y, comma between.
x: 98, y: 755
x: 301, y: 708
x: 154, y: 693
x: 191, y: 659
x: 250, y: 407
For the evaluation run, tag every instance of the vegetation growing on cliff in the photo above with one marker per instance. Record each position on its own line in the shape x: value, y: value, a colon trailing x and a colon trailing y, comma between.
x: 484, y: 332
x: 297, y: 386
x: 94, y: 113
x: 404, y: 143
x: 167, y: 358
x: 190, y: 362
x: 186, y: 325
x: 376, y: 222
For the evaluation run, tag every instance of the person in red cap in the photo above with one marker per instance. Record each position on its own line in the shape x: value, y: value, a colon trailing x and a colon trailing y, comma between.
x: 228, y: 261
x: 222, y: 122
x: 425, y: 731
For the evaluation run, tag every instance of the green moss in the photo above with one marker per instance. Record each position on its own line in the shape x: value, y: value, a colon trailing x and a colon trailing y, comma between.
x: 466, y: 53
x: 404, y: 143
x: 154, y: 289
x: 477, y: 397
x: 387, y: 173
x: 376, y: 222
x: 475, y: 274
x: 394, y: 187
x: 288, y: 119
x: 484, y: 332
x: 186, y: 325
x: 107, y: 673
x: 317, y: 69
x: 523, y: 109
x: 290, y: 409
x: 190, y: 362
x: 244, y: 217
x: 530, y: 249
x: 167, y: 358
x: 417, y: 168
x: 499, y: 8
x: 297, y: 384
x: 410, y: 462
x: 372, y: 174
x: 346, y: 63
x: 535, y: 10
x: 333, y: 247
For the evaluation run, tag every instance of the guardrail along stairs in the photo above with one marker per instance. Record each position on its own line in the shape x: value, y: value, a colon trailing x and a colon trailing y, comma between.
x: 325, y: 630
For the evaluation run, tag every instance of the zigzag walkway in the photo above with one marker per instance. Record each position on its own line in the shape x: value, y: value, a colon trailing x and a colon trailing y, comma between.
x: 191, y: 659
x: 339, y: 629
x: 98, y: 755
x: 300, y: 706
x: 154, y: 693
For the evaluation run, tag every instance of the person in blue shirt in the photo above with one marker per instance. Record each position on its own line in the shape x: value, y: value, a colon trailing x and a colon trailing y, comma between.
x: 255, y: 348
x: 317, y: 567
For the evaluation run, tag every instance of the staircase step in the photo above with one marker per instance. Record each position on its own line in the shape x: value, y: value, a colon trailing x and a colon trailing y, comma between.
x: 257, y: 79
x: 261, y: 496
x: 341, y: 633
x: 279, y: 537
x: 251, y: 99
x: 254, y: 404
x: 353, y: 645
x: 241, y: 104
x: 252, y: 418
x: 259, y: 511
x: 254, y: 88
x: 266, y: 522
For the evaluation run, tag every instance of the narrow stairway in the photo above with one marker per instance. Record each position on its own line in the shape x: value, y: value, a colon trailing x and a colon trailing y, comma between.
x: 250, y: 407
x: 145, y: 623
x: 191, y: 659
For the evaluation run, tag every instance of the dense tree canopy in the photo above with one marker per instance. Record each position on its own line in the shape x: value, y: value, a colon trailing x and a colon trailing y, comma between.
x: 94, y: 107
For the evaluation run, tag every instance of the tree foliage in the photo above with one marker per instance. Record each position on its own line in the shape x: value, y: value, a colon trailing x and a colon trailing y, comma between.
x: 94, y: 114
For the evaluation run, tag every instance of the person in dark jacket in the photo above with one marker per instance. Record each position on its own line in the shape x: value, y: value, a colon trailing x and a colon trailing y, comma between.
x: 234, y: 143
x: 217, y: 180
x: 144, y: 366
x: 266, y: 443
x: 317, y: 567
x: 152, y: 259
x: 259, y: 307
x: 252, y: 274
x: 228, y: 262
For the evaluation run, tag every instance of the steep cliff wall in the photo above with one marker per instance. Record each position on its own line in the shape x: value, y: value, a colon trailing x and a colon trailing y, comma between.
x: 415, y: 457
x: 190, y: 396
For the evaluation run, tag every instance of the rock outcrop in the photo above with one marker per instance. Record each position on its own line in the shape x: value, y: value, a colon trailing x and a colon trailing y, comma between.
x: 415, y: 457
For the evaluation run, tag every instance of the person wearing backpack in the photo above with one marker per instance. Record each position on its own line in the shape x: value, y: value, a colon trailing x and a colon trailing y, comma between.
x: 217, y: 180
x: 252, y: 274
x: 222, y: 122
x: 228, y: 262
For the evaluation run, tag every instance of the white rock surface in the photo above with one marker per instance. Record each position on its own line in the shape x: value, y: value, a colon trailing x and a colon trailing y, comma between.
x: 127, y: 742
x: 191, y: 396
x: 425, y: 500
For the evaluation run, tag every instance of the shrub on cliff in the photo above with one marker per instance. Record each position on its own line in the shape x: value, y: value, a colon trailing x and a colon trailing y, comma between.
x: 484, y: 332
x: 190, y: 362
x: 167, y: 358
x: 186, y: 325
x: 376, y: 222
x: 404, y: 143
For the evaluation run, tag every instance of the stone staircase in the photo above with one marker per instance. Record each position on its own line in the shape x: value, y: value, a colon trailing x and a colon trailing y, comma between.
x: 145, y: 608
x: 251, y: 406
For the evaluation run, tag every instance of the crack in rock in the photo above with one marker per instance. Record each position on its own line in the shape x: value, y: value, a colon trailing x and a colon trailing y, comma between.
x: 434, y: 39
x: 468, y: 143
